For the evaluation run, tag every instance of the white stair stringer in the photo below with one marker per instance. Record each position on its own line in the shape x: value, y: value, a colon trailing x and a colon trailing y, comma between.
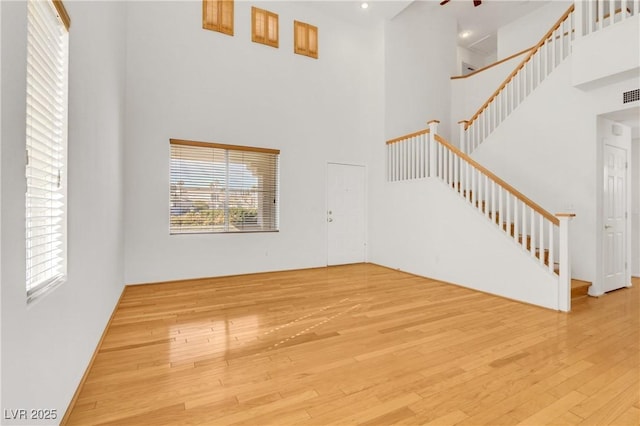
x: 451, y: 242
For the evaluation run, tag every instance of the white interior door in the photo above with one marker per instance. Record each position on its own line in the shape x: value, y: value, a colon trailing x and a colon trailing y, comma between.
x: 615, y: 209
x: 346, y: 218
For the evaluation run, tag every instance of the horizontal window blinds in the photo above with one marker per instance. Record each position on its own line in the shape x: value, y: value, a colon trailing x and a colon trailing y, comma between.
x: 45, y: 213
x: 222, y: 188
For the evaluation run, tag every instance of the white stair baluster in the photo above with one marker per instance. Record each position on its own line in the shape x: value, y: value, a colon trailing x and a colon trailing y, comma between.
x: 420, y: 156
x: 450, y: 159
x: 500, y: 209
x: 532, y: 232
x: 467, y: 181
x: 612, y: 12
x: 561, y: 42
x: 441, y: 161
x: 456, y: 172
x: 524, y: 225
x: 542, y: 62
x: 394, y: 163
x: 472, y: 181
x: 410, y: 157
x: 516, y: 219
x: 405, y: 160
x: 493, y: 201
x: 593, y: 15
x: 535, y: 60
x: 579, y: 13
x: 541, y: 242
x: 486, y: 196
x: 416, y: 160
x: 392, y: 166
x: 623, y: 11
x: 600, y: 23
x: 508, y: 208
x: 551, y: 254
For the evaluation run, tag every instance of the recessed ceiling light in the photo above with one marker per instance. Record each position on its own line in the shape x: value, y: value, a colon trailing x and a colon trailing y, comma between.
x: 465, y: 34
x: 364, y: 5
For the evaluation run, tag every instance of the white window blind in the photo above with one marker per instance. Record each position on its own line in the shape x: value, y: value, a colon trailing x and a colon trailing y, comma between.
x: 222, y: 188
x: 45, y: 213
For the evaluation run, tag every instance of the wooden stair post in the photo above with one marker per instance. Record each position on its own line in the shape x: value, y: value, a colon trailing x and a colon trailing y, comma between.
x: 564, y: 281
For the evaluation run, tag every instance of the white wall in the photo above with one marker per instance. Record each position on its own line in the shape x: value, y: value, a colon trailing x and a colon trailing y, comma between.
x: 528, y: 30
x: 420, y: 58
x: 472, y: 58
x: 47, y: 345
x: 431, y: 231
x: 600, y: 57
x: 635, y: 208
x: 186, y: 82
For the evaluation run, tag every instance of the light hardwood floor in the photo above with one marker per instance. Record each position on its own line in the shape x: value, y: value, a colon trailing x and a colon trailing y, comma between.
x: 360, y: 344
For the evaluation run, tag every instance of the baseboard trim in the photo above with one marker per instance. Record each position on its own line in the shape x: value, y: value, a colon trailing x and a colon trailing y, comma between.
x: 72, y: 403
x: 470, y: 288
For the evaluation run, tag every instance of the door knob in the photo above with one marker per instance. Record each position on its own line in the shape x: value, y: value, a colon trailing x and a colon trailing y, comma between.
x: 330, y: 220
x: 608, y: 226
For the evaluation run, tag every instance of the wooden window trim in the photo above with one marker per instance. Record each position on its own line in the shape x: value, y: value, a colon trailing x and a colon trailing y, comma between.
x: 223, y: 146
x: 255, y: 37
x: 222, y: 7
x: 303, y: 47
x: 62, y: 13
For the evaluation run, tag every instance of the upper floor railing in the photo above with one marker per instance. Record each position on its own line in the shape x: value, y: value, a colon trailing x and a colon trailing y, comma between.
x: 581, y: 19
x: 594, y: 15
x: 541, y: 60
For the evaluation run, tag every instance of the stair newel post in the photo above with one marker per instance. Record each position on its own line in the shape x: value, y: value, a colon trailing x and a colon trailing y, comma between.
x: 464, y: 145
x: 564, y: 258
x: 433, y: 131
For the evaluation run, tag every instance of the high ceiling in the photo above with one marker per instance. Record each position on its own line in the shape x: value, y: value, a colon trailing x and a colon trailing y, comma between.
x: 482, y: 21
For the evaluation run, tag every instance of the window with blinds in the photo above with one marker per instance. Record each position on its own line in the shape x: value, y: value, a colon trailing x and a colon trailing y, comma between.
x: 305, y: 39
x: 217, y: 15
x: 46, y: 144
x: 264, y: 27
x: 216, y: 188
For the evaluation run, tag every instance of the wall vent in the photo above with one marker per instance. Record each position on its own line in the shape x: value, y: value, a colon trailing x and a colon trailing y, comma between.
x: 631, y: 96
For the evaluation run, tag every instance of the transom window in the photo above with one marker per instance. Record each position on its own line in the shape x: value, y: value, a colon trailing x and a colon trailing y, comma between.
x: 217, y: 188
x: 264, y: 27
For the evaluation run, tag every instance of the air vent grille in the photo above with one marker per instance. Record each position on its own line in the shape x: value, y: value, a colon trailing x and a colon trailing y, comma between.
x: 631, y: 96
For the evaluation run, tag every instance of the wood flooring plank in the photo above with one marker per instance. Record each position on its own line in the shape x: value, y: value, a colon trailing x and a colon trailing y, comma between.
x: 360, y: 344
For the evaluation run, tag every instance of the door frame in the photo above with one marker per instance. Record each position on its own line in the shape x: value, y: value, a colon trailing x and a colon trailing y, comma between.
x: 605, y: 137
x: 366, y: 206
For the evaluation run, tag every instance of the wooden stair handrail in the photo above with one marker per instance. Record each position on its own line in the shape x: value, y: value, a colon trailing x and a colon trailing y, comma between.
x: 522, y: 52
x: 410, y: 135
x: 551, y: 218
x: 532, y: 52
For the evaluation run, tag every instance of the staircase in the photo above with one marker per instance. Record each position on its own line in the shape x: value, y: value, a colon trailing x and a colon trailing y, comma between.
x: 541, y: 236
x: 580, y: 19
x: 536, y: 233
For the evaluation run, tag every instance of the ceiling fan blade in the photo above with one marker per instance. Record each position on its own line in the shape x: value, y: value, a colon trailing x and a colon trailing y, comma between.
x: 443, y: 2
x: 477, y: 2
